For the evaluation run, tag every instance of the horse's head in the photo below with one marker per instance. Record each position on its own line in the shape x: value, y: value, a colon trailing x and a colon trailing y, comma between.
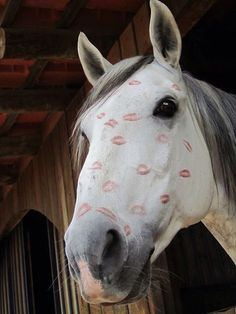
x: 147, y: 173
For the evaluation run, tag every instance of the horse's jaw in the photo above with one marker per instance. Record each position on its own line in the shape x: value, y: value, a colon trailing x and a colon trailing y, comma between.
x: 221, y: 222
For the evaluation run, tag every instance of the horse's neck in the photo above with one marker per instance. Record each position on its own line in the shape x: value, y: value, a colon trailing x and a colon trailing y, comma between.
x: 222, y: 224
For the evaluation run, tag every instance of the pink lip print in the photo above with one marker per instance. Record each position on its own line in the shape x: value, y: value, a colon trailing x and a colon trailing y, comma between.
x: 84, y: 208
x: 112, y: 123
x: 134, y: 82
x: 165, y: 198
x: 185, y: 173
x: 97, y: 165
x: 107, y: 212
x: 176, y: 87
x: 109, y: 186
x: 188, y: 146
x: 118, y: 140
x: 143, y: 169
x: 138, y: 210
x: 101, y: 115
x: 162, y: 138
x: 131, y: 117
x: 127, y: 230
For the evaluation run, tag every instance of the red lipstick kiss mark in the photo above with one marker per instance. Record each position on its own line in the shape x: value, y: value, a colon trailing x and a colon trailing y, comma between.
x: 165, y: 198
x: 185, y: 173
x: 176, y: 87
x: 188, y: 146
x: 107, y: 212
x: 97, y: 165
x: 143, y: 170
x: 109, y: 186
x: 118, y: 140
x: 101, y: 115
x: 134, y: 82
x: 84, y: 208
x: 127, y: 230
x: 112, y: 123
x: 138, y: 210
x: 131, y: 117
x: 162, y: 138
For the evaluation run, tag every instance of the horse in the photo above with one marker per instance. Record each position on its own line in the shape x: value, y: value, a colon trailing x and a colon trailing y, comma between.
x: 161, y: 157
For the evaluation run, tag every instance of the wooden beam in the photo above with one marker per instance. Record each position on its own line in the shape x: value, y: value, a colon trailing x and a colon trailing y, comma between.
x: 18, y: 146
x: 192, y: 13
x: 65, y: 21
x: 10, y: 12
x: 8, y: 174
x: 33, y: 44
x: 70, y: 13
x: 8, y: 123
x: 26, y: 100
x: 35, y: 71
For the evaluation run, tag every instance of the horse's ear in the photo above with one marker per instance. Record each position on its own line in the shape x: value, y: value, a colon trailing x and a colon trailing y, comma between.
x: 92, y: 61
x: 164, y: 34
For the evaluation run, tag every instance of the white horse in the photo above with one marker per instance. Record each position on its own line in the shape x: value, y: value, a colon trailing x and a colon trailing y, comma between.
x: 162, y: 156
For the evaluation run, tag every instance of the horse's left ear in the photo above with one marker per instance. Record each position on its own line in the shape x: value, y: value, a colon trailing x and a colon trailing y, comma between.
x: 92, y: 61
x: 164, y: 34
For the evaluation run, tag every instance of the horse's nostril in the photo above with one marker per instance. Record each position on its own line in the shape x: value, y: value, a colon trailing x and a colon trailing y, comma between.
x: 112, y: 245
x: 112, y: 257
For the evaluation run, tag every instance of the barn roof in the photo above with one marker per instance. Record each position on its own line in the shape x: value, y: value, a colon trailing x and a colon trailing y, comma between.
x: 39, y: 67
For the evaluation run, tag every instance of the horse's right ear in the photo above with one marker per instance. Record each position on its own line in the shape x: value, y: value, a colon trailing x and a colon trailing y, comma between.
x: 92, y: 61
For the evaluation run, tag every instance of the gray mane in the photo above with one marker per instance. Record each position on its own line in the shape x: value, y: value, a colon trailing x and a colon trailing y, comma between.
x: 214, y: 109
x: 216, y: 113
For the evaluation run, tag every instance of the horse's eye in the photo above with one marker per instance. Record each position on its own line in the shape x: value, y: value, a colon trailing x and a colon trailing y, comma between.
x: 166, y: 108
x: 84, y: 135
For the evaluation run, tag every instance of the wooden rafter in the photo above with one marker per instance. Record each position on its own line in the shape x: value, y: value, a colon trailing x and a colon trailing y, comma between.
x: 69, y: 14
x: 22, y: 100
x: 38, y: 44
x: 65, y: 21
x: 8, y: 174
x: 10, y: 121
x: 10, y: 12
x: 18, y: 146
x: 192, y: 13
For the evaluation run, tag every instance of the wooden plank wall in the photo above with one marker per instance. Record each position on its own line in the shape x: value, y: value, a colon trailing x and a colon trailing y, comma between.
x: 13, y: 286
x: 48, y: 186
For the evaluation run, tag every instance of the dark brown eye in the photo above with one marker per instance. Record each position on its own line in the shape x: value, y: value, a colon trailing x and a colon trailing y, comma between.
x: 166, y: 108
x: 84, y: 135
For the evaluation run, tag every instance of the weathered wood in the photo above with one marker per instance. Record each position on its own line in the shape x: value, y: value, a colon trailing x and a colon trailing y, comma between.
x: 35, y: 71
x: 8, y: 174
x: 20, y: 100
x: 9, y: 122
x: 70, y: 13
x: 65, y: 21
x: 192, y: 13
x: 10, y: 12
x: 33, y: 44
x: 19, y: 145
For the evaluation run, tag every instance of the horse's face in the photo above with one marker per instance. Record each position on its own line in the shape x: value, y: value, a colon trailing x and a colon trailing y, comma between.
x: 142, y: 181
